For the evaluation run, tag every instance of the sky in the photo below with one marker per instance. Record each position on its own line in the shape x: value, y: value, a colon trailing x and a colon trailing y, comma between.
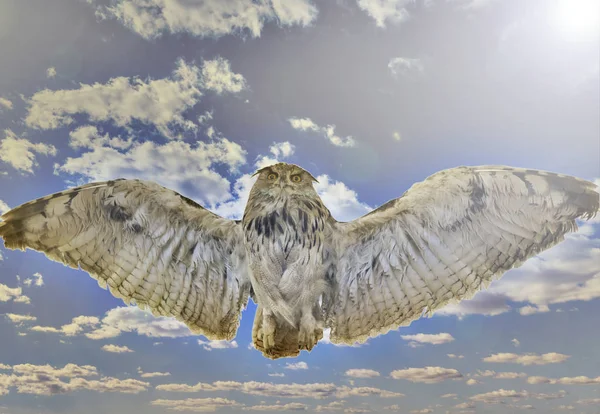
x: 370, y: 96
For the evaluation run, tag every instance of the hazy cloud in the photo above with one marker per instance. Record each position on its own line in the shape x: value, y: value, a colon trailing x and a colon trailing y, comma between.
x: 427, y: 375
x: 20, y: 153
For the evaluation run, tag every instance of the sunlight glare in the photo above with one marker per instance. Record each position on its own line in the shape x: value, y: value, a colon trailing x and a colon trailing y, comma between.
x: 578, y: 18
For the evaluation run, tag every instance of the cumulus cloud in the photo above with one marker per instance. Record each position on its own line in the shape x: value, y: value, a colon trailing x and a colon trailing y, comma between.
x: 401, y: 66
x: 530, y: 310
x: 216, y: 18
x: 296, y: 365
x: 8, y: 294
x: 500, y: 396
x: 122, y: 100
x: 116, y: 349
x: 500, y: 375
x: 217, y: 344
x: 184, y: 167
x: 279, y: 407
x: 218, y: 77
x: 152, y: 374
x: 527, y: 359
x: 5, y: 103
x: 516, y: 342
x: 434, y: 339
x: 51, y: 72
x: 306, y: 124
x: 427, y: 375
x: 36, y: 280
x: 196, y: 404
x: 77, y: 325
x: 267, y: 389
x: 386, y: 11
x: 279, y: 151
x: 332, y: 406
x: 19, y: 319
x: 3, y: 207
x: 362, y: 373
x: 20, y: 153
x: 580, y: 380
x: 341, y: 201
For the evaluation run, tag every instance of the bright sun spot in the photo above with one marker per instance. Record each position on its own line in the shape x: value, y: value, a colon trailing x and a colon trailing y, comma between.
x: 578, y: 18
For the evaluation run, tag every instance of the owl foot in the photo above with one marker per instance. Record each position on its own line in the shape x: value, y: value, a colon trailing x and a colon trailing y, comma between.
x: 268, y: 330
x: 310, y: 333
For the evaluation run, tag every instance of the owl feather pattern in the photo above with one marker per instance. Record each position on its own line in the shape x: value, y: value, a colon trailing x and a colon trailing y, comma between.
x: 442, y: 241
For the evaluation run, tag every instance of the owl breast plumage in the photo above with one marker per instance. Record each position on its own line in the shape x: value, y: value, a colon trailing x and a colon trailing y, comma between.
x: 442, y: 241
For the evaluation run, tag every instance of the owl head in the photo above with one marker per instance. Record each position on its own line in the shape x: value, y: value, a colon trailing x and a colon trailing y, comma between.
x: 284, y: 178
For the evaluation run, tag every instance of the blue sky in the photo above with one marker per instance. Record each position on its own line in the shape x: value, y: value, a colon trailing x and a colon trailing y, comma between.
x: 370, y: 96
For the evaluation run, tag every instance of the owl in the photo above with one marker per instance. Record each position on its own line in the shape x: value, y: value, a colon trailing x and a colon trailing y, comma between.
x: 443, y: 240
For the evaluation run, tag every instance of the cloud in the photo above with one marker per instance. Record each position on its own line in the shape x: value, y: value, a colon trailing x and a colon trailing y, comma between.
x: 181, y: 166
x: 278, y: 407
x: 37, y: 280
x: 3, y: 207
x: 20, y: 152
x: 516, y: 342
x: 434, y: 339
x: 19, y: 319
x: 383, y: 11
x: 472, y: 381
x: 332, y: 406
x: 306, y: 124
x: 500, y: 375
x: 581, y: 380
x: 279, y: 150
x: 8, y: 294
x: 427, y: 375
x: 88, y: 136
x: 218, y: 77
x: 217, y: 344
x: 296, y: 365
x: 454, y: 356
x: 116, y: 349
x: 276, y: 374
x: 134, y: 319
x: 122, y: 100
x: 500, y: 396
x: 396, y: 135
x: 530, y: 310
x: 77, y: 325
x: 400, y: 66
x: 362, y: 373
x: 341, y: 201
x: 152, y: 374
x: 69, y: 370
x: 5, y: 103
x: 216, y: 18
x: 267, y: 389
x: 196, y: 404
x: 51, y: 72
x: 483, y: 303
x: 527, y: 359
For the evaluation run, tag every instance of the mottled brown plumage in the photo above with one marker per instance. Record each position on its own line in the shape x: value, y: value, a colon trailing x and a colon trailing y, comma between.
x: 442, y: 241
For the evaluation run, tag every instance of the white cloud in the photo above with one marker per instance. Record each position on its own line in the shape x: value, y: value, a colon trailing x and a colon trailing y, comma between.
x: 472, y: 381
x: 69, y: 370
x: 217, y: 344
x: 51, y: 72
x: 196, y: 404
x: 500, y: 396
x: 527, y: 359
x: 152, y: 18
x: 383, y: 11
x: 362, y: 373
x: 218, y: 77
x: 116, y: 349
x: 296, y: 365
x: 88, y: 136
x: 122, y: 100
x: 580, y: 380
x: 530, y: 310
x: 332, y: 406
x: 181, y: 166
x: 454, y: 356
x: 306, y: 124
x: 276, y: 374
x: 500, y: 375
x: 38, y: 280
x: 267, y: 389
x: 434, y: 339
x: 3, y: 207
x: 75, y: 327
x: 401, y: 66
x: 5, y: 103
x: 516, y: 342
x: 396, y: 135
x: 15, y: 294
x: 427, y: 375
x: 19, y: 319
x: 20, y: 152
x: 279, y: 150
x: 152, y: 374
x: 339, y: 199
x: 279, y: 407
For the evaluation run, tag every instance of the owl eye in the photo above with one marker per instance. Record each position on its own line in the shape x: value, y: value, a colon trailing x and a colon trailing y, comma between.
x: 271, y: 176
x: 296, y: 178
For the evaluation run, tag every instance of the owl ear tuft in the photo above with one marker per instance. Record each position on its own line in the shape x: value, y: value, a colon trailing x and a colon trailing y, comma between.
x: 311, y: 177
x: 260, y: 170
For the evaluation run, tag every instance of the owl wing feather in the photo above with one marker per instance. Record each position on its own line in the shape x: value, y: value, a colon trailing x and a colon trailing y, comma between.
x: 445, y: 239
x: 152, y: 246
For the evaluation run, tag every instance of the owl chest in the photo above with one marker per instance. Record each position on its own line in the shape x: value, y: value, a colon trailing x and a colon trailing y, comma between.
x: 285, y: 231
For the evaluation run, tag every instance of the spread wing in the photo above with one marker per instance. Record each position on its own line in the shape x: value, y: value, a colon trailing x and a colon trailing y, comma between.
x: 150, y: 245
x: 443, y: 240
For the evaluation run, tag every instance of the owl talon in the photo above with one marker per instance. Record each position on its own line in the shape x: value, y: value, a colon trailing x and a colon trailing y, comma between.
x: 268, y: 331
x: 310, y: 332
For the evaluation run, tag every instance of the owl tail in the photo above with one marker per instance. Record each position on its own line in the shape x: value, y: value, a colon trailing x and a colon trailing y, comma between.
x: 286, y: 338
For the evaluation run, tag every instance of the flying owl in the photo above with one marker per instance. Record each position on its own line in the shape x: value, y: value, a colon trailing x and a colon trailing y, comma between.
x: 442, y: 241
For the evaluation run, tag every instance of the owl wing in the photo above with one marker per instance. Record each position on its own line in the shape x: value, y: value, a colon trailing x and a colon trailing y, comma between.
x: 150, y: 245
x: 445, y: 239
